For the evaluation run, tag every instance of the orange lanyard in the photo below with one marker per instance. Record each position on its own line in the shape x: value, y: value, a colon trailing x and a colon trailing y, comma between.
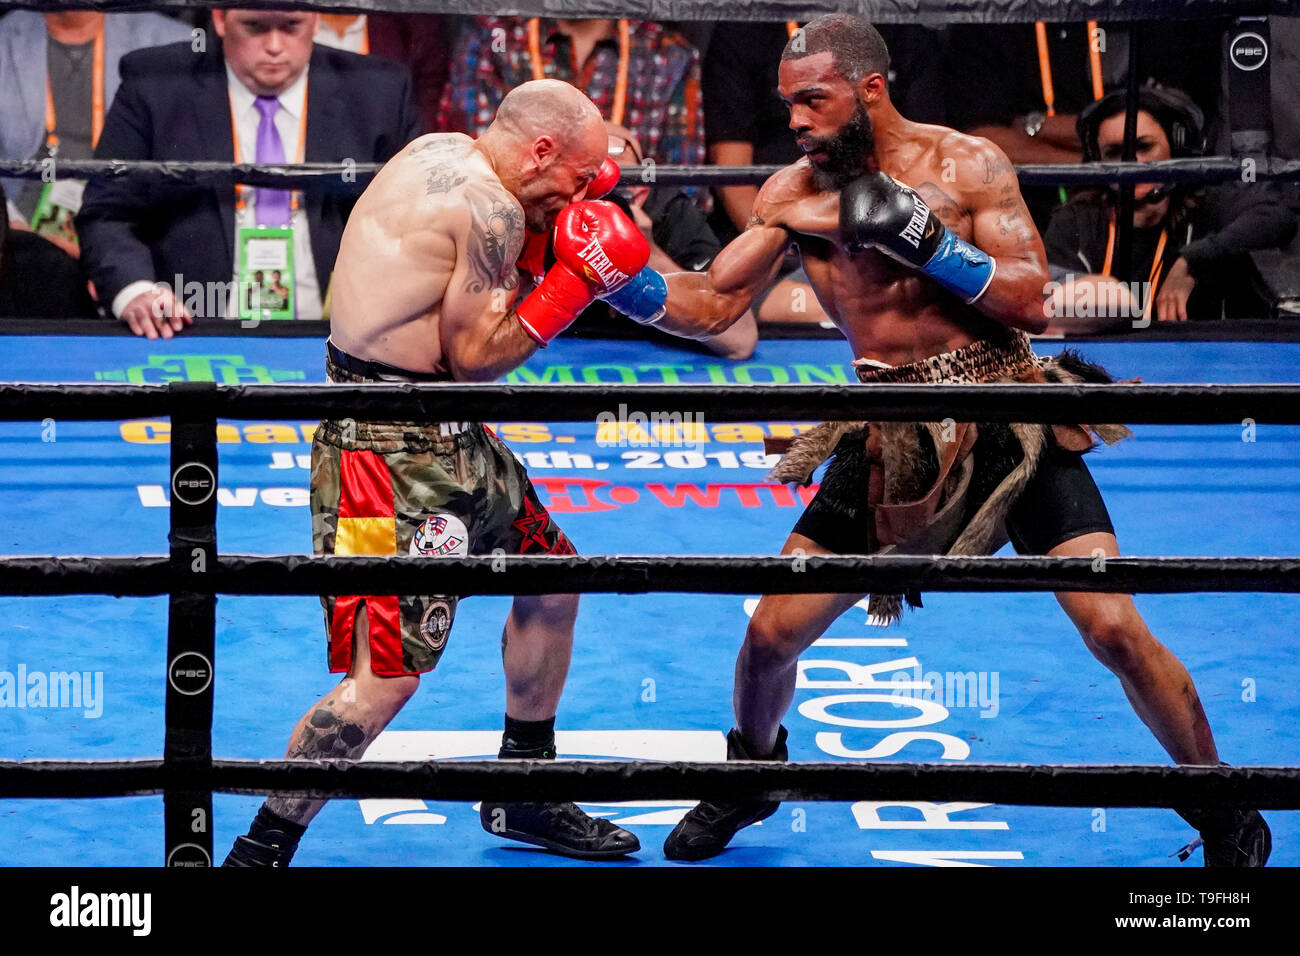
x: 240, y: 188
x: 1094, y: 61
x: 624, y: 54
x: 1045, y: 66
x: 96, y: 99
x: 1157, y: 263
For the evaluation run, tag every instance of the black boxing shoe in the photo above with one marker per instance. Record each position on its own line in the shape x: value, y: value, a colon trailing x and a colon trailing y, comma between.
x: 561, y: 827
x: 248, y: 852
x: 706, y: 830
x: 271, y: 841
x: 1239, y: 839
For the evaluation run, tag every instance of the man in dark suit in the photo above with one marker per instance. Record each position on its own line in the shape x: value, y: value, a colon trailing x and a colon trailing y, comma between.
x: 163, y: 254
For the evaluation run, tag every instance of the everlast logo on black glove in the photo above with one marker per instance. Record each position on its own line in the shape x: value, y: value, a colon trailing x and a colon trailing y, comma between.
x: 913, y: 231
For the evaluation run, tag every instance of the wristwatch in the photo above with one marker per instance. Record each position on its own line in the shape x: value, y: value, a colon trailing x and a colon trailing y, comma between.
x: 1034, y: 122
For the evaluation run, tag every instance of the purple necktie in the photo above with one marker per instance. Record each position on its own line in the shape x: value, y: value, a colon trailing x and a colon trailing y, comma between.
x: 272, y: 204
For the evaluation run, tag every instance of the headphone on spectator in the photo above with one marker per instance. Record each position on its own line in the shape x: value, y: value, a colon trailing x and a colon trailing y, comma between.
x: 1182, y: 120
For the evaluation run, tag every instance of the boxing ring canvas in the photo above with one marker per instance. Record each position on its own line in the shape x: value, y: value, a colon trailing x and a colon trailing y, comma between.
x: 1000, y: 677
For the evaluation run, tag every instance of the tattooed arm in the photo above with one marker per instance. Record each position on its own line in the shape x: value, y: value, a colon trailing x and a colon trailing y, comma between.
x: 1002, y: 228
x: 481, y: 336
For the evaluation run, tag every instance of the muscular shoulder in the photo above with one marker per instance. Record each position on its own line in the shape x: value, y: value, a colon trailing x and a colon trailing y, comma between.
x: 445, y: 158
x: 453, y: 176
x: 979, y: 165
x: 781, y: 191
x: 989, y: 190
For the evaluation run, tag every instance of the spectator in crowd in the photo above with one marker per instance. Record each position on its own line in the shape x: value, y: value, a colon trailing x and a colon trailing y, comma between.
x: 1023, y: 85
x: 58, y: 71
x: 38, y: 280
x: 641, y: 75
x: 161, y: 255
x: 1189, y: 243
x: 421, y: 42
x: 680, y: 241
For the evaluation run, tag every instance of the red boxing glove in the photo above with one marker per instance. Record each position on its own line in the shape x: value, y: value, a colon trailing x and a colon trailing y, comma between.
x: 532, y: 258
x: 605, y: 180
x: 599, y: 241
x: 597, y: 250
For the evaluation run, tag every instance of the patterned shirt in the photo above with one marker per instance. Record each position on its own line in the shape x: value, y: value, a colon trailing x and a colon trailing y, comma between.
x: 663, y: 105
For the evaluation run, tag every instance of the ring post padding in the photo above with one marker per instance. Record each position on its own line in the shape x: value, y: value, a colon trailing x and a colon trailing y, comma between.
x: 191, y: 623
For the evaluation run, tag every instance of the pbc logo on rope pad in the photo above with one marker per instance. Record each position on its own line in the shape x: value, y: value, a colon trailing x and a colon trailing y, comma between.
x: 189, y: 854
x: 1249, y: 51
x: 193, y: 483
x: 190, y: 673
x: 440, y: 535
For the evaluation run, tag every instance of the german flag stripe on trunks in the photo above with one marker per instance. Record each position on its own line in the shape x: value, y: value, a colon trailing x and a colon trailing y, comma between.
x: 367, y: 524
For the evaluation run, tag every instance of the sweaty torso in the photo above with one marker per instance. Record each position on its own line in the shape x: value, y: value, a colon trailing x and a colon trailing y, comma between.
x: 889, y: 312
x: 397, y: 254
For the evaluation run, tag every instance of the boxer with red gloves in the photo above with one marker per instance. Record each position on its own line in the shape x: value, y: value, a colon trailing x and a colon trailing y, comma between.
x: 599, y: 253
x: 640, y: 295
x: 427, y: 288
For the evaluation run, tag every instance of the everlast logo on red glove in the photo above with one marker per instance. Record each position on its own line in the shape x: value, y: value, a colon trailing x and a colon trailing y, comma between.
x: 597, y: 250
x: 609, y: 274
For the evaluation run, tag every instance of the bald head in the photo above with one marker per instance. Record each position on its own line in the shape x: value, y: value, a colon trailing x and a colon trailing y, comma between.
x: 547, y: 142
x: 548, y: 108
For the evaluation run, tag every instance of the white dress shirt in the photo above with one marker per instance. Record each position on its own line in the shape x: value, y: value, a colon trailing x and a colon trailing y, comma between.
x: 288, y: 120
x: 353, y: 39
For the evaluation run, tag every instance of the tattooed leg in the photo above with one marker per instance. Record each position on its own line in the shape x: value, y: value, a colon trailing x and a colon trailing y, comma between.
x: 345, y: 721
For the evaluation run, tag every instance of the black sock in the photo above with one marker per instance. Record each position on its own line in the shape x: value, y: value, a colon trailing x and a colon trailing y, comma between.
x: 266, y: 821
x: 528, y: 739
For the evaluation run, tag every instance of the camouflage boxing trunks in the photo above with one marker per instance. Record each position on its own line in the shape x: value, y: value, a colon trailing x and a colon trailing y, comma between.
x: 433, y: 489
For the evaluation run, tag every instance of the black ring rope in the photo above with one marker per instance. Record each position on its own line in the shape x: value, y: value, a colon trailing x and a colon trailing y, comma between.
x: 639, y: 574
x: 879, y: 11
x: 352, y: 178
x: 1114, y: 785
x: 1055, y: 404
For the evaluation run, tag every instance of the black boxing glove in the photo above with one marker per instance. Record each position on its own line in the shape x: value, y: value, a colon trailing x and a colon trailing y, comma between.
x: 878, y: 212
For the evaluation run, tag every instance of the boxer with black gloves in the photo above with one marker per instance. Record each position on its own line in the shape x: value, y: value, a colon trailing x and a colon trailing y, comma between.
x: 918, y: 244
